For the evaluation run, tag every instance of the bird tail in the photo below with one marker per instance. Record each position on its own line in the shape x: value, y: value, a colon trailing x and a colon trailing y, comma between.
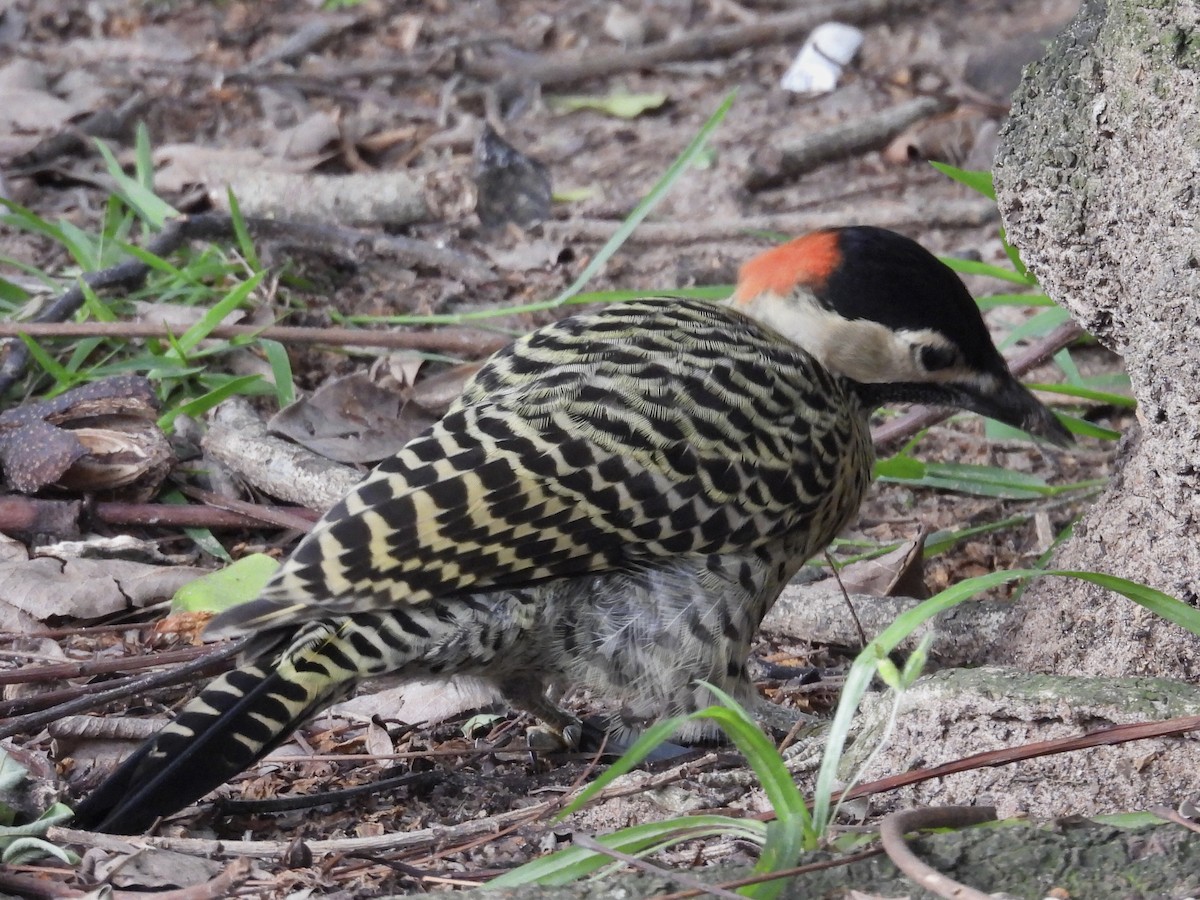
x: 235, y: 721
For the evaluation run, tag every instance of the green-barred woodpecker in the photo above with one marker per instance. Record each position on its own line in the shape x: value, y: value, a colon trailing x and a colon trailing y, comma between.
x: 615, y: 502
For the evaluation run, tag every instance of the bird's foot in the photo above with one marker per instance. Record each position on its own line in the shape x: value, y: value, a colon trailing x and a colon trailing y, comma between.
x: 615, y: 738
x: 762, y: 670
x: 547, y: 738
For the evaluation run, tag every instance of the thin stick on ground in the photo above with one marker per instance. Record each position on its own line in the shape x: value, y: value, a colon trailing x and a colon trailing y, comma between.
x: 701, y: 43
x: 1101, y: 737
x: 589, y: 843
x: 177, y: 675
x: 69, y: 518
x: 775, y: 166
x: 895, y: 826
x: 466, y: 342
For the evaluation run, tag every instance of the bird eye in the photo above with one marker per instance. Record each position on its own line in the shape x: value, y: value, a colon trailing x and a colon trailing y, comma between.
x: 934, y: 357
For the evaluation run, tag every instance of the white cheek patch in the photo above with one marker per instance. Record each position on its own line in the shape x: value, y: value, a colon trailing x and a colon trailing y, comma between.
x: 860, y: 349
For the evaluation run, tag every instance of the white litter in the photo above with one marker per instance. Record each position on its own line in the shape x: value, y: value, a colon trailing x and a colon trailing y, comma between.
x: 819, y: 64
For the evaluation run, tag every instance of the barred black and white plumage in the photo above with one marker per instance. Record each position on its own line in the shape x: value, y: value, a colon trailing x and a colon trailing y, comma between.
x: 614, y: 502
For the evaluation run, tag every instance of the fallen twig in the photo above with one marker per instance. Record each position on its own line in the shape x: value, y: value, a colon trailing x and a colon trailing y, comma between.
x: 90, y: 667
x: 175, y: 675
x: 705, y: 42
x: 22, y: 706
x: 589, y: 843
x: 104, y: 123
x: 1164, y: 812
x: 13, y: 884
x: 67, y: 518
x: 238, y: 438
x: 425, y: 837
x: 967, y: 213
x: 298, y: 518
x: 1113, y: 734
x: 457, y: 341
x: 895, y: 826
x: 772, y: 166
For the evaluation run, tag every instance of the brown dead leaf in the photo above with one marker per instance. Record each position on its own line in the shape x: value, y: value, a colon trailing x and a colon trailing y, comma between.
x: 44, y: 588
x: 92, y: 746
x: 177, y: 316
x: 354, y: 419
x: 41, y: 650
x: 435, y: 393
x: 379, y: 742
x: 527, y: 254
x: 307, y: 139
x: 34, y: 793
x: 896, y: 574
x: 25, y: 110
x: 153, y: 868
x: 948, y: 138
x: 421, y: 701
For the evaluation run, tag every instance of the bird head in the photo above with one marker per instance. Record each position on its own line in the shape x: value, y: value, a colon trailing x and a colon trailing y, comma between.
x: 878, y: 308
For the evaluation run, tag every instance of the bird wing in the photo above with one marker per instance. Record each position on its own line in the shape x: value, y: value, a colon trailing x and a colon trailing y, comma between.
x: 645, y: 430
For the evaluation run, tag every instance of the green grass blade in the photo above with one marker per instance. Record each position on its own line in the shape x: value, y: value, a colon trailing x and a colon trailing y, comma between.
x: 685, y: 159
x: 281, y: 371
x: 150, y: 208
x: 965, y: 478
x: 83, y: 247
x: 573, y: 863
x: 1163, y: 605
x: 27, y: 220
x: 203, y: 537
x: 707, y: 292
x: 1082, y: 392
x: 991, y: 301
x: 1084, y: 428
x: 858, y: 679
x: 143, y: 164
x: 31, y: 271
x: 1066, y: 362
x: 759, y: 751
x: 63, y: 378
x: 651, y: 738
x: 243, y: 384
x: 941, y: 541
x: 1014, y: 257
x: 211, y: 319
x: 94, y: 306
x: 975, y: 267
x: 980, y: 182
x: 244, y: 241
x: 1036, y: 325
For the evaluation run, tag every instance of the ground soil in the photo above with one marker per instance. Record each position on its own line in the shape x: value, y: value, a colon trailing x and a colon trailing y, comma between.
x: 183, y: 56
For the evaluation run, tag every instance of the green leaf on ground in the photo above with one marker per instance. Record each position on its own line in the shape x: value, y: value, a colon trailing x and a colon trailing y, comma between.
x: 618, y: 104
x: 233, y: 585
